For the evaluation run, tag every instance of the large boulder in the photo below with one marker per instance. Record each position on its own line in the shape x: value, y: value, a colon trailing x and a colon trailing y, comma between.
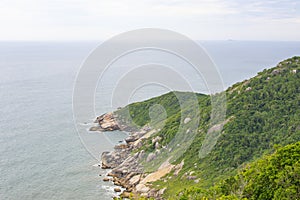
x: 141, y: 188
x: 107, y: 122
x: 135, y: 180
x: 151, y: 157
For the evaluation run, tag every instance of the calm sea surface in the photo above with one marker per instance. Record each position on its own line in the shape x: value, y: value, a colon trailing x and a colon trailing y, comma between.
x: 41, y: 154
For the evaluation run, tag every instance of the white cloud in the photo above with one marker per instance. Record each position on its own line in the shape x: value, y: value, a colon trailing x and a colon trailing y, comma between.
x: 143, y: 7
x: 99, y: 19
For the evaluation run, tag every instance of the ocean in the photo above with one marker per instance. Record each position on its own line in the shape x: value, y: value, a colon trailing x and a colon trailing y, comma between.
x: 41, y: 153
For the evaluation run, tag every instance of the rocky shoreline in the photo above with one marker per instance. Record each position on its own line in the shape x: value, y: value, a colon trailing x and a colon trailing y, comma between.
x: 125, y: 169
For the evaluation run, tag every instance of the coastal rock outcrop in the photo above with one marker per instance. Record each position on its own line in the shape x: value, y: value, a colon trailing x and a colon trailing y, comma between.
x: 106, y: 122
x: 126, y: 170
x: 115, y: 158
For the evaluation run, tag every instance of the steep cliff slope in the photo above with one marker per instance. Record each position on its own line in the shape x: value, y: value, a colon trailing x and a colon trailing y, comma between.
x: 260, y: 112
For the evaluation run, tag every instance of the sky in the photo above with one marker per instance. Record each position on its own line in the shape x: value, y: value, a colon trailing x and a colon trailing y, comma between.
x: 197, y: 19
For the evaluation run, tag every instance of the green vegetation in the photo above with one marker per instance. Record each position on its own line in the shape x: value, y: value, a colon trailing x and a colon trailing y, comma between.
x: 275, y: 176
x: 261, y: 112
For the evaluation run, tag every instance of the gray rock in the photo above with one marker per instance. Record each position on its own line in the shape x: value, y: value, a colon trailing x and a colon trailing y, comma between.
x: 191, y: 177
x: 187, y: 120
x: 150, y: 157
x: 131, y: 139
x: 156, y: 139
x: 141, y: 188
x: 135, y: 180
x: 157, y: 145
x: 248, y: 89
x: 141, y: 155
x: 162, y: 191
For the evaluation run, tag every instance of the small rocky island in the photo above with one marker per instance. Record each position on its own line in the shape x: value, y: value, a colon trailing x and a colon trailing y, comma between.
x: 126, y: 170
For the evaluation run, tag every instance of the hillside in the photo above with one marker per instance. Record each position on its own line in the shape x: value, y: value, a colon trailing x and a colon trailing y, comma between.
x: 275, y: 176
x: 261, y: 112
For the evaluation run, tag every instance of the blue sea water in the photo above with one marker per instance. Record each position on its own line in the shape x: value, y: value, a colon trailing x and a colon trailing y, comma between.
x: 41, y: 154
